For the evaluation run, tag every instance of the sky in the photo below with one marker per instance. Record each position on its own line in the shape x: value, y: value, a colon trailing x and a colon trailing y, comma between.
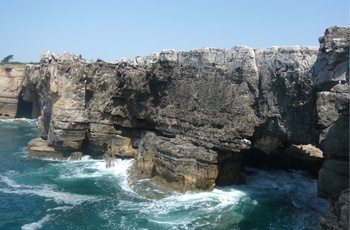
x: 114, y: 29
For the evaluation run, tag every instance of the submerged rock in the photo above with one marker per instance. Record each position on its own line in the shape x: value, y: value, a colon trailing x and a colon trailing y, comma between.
x: 20, y: 121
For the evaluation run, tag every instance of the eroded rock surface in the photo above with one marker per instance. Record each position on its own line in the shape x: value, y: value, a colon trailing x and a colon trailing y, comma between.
x: 190, y: 118
x: 331, y: 77
x: 11, y: 78
x: 203, y: 107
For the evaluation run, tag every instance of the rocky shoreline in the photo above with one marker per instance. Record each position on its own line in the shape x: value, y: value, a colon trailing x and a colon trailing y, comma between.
x: 192, y: 119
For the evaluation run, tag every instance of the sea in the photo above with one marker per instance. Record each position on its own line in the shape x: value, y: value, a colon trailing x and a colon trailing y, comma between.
x: 85, y: 194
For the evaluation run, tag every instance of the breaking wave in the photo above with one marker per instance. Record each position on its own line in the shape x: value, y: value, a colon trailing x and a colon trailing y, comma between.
x: 45, y: 194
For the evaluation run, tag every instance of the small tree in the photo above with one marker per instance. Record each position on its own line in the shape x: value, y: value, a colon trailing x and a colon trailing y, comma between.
x: 7, y: 59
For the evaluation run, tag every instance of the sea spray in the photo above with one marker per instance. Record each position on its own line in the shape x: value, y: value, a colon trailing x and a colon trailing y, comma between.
x: 46, y: 194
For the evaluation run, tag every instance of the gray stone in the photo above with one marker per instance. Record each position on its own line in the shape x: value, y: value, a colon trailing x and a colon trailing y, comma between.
x: 202, y: 110
x: 338, y: 217
x: 332, y: 62
x: 331, y: 78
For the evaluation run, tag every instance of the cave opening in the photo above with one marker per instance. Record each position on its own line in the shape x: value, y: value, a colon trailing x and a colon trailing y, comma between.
x: 229, y: 168
x: 232, y: 165
x: 304, y: 157
x: 24, y: 108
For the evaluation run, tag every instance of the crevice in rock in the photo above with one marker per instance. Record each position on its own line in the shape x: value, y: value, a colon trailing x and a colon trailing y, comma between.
x: 297, y: 157
x: 88, y: 95
x: 229, y: 168
x: 24, y: 108
x: 85, y: 144
x: 27, y: 106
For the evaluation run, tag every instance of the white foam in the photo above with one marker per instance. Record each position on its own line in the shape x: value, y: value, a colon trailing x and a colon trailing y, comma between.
x: 21, y: 119
x: 183, y: 210
x: 37, y: 225
x: 9, y: 182
x: 61, y: 208
x: 49, y: 192
x: 223, y: 197
x: 88, y: 168
x: 120, y: 169
x: 295, y: 187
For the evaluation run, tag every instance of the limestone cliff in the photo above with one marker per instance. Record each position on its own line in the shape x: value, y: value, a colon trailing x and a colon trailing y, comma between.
x: 187, y: 117
x: 11, y: 77
x: 191, y: 118
x: 331, y: 77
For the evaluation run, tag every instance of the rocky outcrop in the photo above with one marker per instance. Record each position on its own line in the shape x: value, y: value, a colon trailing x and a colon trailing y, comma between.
x: 338, y: 217
x: 191, y: 118
x: 186, y: 117
x: 12, y: 102
x: 39, y: 148
x: 11, y: 77
x: 331, y: 77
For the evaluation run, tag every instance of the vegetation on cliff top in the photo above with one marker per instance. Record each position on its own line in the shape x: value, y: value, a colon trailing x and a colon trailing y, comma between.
x: 7, y: 60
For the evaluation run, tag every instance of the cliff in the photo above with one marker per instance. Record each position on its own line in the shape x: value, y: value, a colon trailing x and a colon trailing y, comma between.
x: 11, y: 77
x: 331, y: 78
x: 187, y: 114
x: 190, y: 119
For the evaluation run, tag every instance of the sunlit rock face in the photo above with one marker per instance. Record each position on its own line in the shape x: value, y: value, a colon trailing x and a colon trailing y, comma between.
x: 188, y: 118
x: 331, y: 79
x: 13, y: 102
x: 11, y: 78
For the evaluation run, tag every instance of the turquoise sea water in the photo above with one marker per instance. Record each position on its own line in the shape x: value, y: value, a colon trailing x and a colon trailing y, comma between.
x: 46, y: 194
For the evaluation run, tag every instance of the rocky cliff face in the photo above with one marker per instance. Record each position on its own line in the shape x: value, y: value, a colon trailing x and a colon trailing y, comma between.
x: 187, y: 117
x: 331, y: 77
x: 11, y: 77
x: 191, y: 118
x: 12, y: 103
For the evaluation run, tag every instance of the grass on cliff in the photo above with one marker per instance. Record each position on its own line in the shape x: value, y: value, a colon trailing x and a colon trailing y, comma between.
x: 18, y: 63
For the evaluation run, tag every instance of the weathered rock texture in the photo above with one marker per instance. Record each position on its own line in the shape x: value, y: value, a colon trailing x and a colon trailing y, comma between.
x: 12, y: 103
x: 191, y: 118
x: 187, y: 117
x: 11, y: 77
x: 331, y: 77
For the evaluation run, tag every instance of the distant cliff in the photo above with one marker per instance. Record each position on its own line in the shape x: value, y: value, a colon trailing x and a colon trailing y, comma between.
x: 190, y: 119
x: 12, y: 104
x: 11, y: 77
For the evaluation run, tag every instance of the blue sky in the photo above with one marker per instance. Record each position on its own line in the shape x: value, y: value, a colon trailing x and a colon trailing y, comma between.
x: 112, y: 29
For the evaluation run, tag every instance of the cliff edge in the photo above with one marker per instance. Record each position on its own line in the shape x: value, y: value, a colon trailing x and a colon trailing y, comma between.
x: 331, y: 78
x: 190, y: 119
x: 185, y: 116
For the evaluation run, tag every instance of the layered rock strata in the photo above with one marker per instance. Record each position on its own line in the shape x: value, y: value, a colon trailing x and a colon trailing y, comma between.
x: 331, y: 77
x: 191, y: 118
x: 187, y: 117
x: 12, y: 103
x: 11, y: 77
